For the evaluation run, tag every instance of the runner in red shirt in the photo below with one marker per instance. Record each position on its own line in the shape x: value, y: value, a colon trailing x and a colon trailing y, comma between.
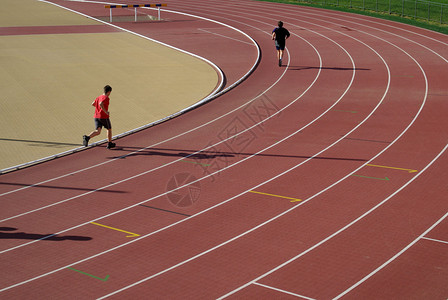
x: 101, y: 118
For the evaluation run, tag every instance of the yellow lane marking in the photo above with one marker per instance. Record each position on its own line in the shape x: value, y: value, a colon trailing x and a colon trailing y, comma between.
x: 131, y: 234
x: 278, y: 196
x: 395, y: 168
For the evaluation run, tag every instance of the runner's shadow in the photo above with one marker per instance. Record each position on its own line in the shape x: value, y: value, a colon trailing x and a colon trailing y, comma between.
x: 40, y: 143
x: 175, y: 153
x: 4, y: 234
x: 43, y: 186
x: 210, y: 154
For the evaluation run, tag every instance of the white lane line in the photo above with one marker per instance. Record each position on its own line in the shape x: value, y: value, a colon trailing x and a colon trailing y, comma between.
x: 390, y: 26
x: 392, y: 258
x: 283, y: 291
x: 224, y: 36
x: 435, y: 240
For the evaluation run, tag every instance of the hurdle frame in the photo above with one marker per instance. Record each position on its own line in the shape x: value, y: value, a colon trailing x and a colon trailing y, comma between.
x: 135, y: 6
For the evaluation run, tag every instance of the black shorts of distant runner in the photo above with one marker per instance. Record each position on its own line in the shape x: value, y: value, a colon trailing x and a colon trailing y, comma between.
x: 279, y: 46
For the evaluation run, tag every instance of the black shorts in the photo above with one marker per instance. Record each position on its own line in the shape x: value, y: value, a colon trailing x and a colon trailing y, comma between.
x: 280, y: 45
x: 99, y: 123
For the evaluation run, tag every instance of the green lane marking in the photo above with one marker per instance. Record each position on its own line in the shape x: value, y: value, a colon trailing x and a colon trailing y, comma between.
x: 385, y: 178
x: 349, y: 111
x: 196, y: 163
x: 102, y: 279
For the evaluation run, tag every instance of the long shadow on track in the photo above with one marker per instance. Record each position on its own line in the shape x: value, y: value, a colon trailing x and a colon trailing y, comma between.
x: 213, y: 154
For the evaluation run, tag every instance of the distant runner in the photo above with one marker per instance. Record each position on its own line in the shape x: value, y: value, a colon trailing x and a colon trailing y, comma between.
x: 101, y: 118
x: 280, y: 35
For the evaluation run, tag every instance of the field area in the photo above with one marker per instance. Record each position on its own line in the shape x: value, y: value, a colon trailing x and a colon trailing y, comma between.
x: 54, y: 63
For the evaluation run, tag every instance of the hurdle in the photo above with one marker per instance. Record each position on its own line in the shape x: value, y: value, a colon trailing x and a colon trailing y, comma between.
x: 135, y: 6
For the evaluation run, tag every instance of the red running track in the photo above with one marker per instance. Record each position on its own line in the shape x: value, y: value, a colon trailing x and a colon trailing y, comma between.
x: 324, y: 178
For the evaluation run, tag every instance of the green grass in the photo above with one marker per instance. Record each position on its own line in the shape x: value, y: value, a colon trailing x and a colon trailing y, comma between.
x: 429, y: 15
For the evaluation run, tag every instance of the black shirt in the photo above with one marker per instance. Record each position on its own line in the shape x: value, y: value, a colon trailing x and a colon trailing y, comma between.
x: 281, y: 34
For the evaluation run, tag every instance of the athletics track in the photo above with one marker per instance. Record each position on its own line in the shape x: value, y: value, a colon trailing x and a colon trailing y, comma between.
x: 322, y: 179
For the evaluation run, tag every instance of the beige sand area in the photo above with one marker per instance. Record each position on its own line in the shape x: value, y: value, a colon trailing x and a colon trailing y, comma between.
x: 48, y: 82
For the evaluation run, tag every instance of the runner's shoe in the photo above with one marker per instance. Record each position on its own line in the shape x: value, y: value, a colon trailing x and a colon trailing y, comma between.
x: 280, y: 62
x: 110, y: 145
x: 85, y: 140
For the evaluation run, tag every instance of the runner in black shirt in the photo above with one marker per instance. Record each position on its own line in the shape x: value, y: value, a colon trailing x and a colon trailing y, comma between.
x: 280, y: 35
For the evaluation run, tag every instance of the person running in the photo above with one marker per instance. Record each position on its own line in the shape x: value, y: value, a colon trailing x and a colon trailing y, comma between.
x: 101, y: 118
x: 280, y: 35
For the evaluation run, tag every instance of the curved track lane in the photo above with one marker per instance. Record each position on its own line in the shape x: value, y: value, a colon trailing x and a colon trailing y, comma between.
x: 320, y: 179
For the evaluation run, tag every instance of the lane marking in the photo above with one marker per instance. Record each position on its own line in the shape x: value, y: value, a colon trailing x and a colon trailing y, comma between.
x: 349, y: 111
x: 227, y: 37
x: 282, y: 291
x: 385, y: 178
x: 297, y: 200
x: 365, y: 140
x: 196, y: 163
x: 434, y: 240
x: 96, y: 277
x: 165, y: 210
x: 131, y: 234
x: 395, y: 168
x: 278, y: 196
x: 391, y: 259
